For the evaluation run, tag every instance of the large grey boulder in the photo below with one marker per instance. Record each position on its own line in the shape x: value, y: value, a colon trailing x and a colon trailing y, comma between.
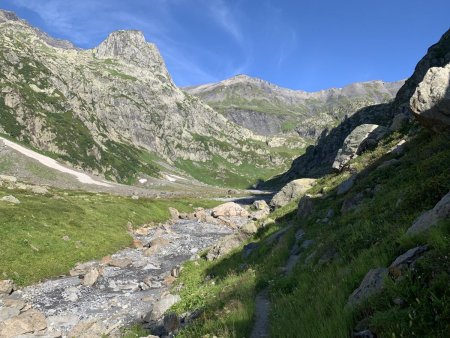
x: 161, y: 306
x: 363, y: 137
x: 406, y: 260
x: 10, y: 199
x: 430, y: 102
x: 229, y: 209
x: 372, y: 284
x: 441, y: 211
x: 292, y: 191
x: 225, y: 246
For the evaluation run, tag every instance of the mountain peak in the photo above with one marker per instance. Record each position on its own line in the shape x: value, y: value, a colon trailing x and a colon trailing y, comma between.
x: 130, y: 46
x: 8, y: 16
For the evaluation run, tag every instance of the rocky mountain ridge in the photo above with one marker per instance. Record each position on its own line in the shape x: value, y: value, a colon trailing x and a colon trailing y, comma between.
x: 268, y: 109
x: 114, y: 110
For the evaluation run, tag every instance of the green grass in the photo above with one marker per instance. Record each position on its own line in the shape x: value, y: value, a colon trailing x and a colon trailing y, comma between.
x: 31, y: 244
x: 312, y: 301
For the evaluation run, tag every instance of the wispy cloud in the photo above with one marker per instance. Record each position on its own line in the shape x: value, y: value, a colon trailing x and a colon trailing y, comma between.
x: 223, y: 15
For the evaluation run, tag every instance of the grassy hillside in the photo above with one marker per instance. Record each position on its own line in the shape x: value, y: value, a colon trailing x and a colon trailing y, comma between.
x: 32, y: 242
x: 311, y: 302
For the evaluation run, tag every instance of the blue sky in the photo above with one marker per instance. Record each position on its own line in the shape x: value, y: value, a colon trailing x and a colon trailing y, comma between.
x: 299, y: 44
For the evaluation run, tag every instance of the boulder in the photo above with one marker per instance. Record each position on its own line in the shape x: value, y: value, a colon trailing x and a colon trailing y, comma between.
x: 372, y: 284
x: 345, y: 186
x: 398, y: 122
x: 120, y: 262
x: 292, y: 191
x: 430, y: 102
x: 174, y: 213
x: 225, y: 246
x: 88, y: 329
x: 91, y: 277
x: 6, y: 286
x: 229, y: 209
x: 10, y: 199
x: 406, y: 261
x: 305, y: 206
x: 363, y: 137
x: 260, y: 214
x: 260, y: 205
x: 441, y: 211
x: 36, y: 189
x: 26, y: 322
x: 161, y: 306
x: 250, y: 228
x: 8, y: 312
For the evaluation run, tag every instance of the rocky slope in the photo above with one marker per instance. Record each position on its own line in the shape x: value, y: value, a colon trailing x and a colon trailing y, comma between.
x: 115, y: 110
x: 318, y: 160
x: 268, y: 109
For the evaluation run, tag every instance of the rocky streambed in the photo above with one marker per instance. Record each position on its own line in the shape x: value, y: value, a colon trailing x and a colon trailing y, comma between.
x: 132, y: 285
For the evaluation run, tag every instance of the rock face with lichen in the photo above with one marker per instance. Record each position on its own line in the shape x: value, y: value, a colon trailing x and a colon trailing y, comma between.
x: 114, y: 109
x: 430, y: 102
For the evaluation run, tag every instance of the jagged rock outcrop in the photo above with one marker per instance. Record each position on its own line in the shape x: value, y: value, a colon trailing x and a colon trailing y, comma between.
x: 291, y: 191
x: 430, y: 102
x: 114, y: 109
x: 360, y: 139
x: 428, y: 219
x: 268, y: 109
x: 318, y: 159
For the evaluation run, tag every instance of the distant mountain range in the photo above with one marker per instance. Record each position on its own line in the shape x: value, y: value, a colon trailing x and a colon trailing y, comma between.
x: 268, y: 109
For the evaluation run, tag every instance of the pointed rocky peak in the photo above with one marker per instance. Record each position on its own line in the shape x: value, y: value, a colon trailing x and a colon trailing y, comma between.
x: 8, y: 16
x: 130, y: 46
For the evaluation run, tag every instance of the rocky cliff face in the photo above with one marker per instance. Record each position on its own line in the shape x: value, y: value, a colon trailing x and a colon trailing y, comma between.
x: 115, y: 110
x: 317, y: 160
x: 279, y: 110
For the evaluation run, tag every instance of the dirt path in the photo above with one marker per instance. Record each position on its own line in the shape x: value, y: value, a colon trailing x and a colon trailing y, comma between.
x: 51, y: 163
x: 262, y: 301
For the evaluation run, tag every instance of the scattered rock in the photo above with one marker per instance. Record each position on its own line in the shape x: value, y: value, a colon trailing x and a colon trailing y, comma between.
x: 260, y: 205
x: 36, y: 189
x: 225, y: 246
x: 174, y: 214
x: 399, y: 121
x: 14, y: 303
x: 161, y: 306
x: 362, y: 138
x: 229, y: 209
x: 364, y: 334
x: 441, y: 211
x: 372, y: 284
x: 8, y: 312
x: 260, y: 214
x: 327, y: 257
x: 71, y: 294
x: 175, y: 272
x: 27, y: 322
x: 83, y: 268
x: 430, y: 102
x: 6, y: 286
x: 398, y: 149
x: 305, y: 206
x: 267, y: 222
x: 10, y: 199
x: 120, y: 262
x: 250, y: 228
x: 88, y: 329
x: 345, y: 186
x: 406, y: 261
x: 142, y: 231
x: 91, y: 277
x: 137, y: 244
x: 171, y: 322
x: 292, y: 191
